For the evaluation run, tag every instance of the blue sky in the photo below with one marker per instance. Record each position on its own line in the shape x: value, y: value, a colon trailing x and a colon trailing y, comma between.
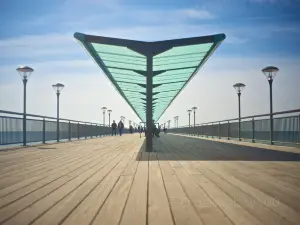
x: 259, y: 33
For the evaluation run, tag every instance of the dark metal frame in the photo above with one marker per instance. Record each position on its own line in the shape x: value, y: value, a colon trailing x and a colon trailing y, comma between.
x: 253, y: 138
x: 43, y: 119
x: 149, y: 50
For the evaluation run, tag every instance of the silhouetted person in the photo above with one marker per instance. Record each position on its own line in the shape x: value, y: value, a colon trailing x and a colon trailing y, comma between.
x: 114, y: 128
x: 140, y: 129
x: 120, y: 127
x: 153, y: 128
x: 131, y: 129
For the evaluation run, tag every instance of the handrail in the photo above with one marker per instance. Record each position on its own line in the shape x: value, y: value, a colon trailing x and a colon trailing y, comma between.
x: 46, y: 117
x: 248, y: 117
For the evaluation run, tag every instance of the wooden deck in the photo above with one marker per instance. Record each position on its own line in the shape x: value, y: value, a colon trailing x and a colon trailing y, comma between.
x: 112, y: 180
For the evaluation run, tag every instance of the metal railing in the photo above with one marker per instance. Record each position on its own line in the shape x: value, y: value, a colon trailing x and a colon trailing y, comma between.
x: 43, y: 128
x: 253, y: 128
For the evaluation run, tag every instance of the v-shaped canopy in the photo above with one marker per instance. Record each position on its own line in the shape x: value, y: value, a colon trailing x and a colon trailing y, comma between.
x: 173, y: 63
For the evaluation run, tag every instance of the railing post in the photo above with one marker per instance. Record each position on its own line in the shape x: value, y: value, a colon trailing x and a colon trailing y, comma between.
x: 212, y: 133
x: 299, y: 128
x: 44, y: 131
x: 219, y: 130
x: 228, y: 130
x: 85, y: 130
x: 91, y: 128
x: 253, y: 130
x: 69, y: 130
x: 78, y: 135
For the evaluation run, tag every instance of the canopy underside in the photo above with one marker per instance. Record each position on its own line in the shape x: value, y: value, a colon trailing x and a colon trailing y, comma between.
x: 174, y: 64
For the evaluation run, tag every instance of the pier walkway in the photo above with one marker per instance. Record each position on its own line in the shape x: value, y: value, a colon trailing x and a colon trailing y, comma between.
x: 186, y: 180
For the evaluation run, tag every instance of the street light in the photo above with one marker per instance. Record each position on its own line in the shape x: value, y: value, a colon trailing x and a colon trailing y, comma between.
x: 239, y: 87
x: 25, y: 72
x: 189, y: 112
x: 57, y: 88
x: 270, y: 73
x: 194, y: 111
x: 103, y: 110
x: 176, y: 121
x: 109, y: 112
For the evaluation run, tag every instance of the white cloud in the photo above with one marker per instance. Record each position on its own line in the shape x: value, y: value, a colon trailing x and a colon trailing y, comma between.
x: 197, y: 14
x: 33, y: 46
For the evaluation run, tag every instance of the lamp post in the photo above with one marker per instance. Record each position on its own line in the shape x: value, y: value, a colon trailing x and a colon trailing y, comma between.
x: 189, y: 112
x: 109, y: 112
x: 194, y: 111
x: 25, y: 72
x: 57, y: 88
x: 123, y: 119
x: 239, y: 87
x: 270, y: 73
x: 103, y: 110
x: 176, y: 121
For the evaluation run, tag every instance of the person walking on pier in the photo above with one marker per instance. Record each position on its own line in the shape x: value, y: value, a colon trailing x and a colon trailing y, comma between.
x: 114, y: 128
x: 120, y: 127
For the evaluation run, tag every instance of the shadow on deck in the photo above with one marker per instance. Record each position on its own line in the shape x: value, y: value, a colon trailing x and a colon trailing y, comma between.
x: 194, y: 149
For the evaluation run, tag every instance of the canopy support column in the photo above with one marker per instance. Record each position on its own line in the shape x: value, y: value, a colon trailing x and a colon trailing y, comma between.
x: 149, y: 88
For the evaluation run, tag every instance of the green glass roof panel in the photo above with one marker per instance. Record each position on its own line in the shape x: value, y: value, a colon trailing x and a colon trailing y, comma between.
x: 116, y: 50
x: 185, y: 50
x: 175, y: 62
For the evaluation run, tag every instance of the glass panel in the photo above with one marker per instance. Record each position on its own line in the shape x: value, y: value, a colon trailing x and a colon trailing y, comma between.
x: 117, y: 50
x: 179, y: 63
x: 175, y: 65
x: 184, y: 50
x: 124, y: 65
x: 124, y: 80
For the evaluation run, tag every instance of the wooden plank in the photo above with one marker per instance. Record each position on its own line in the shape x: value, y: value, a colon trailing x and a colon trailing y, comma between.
x: 17, y: 160
x: 131, y: 168
x: 158, y: 207
x: 29, y: 214
x: 135, y: 211
x: 277, y: 175
x: 66, y: 183
x: 65, y: 207
x: 207, y: 210
x: 117, y: 199
x: 182, y: 208
x: 284, y: 211
x: 280, y: 208
x: 280, y: 192
x: 27, y: 173
x: 15, y: 183
x: 234, y: 211
x: 258, y: 210
x: 111, y: 212
x: 90, y: 206
x: 52, y: 179
x: 55, y: 165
